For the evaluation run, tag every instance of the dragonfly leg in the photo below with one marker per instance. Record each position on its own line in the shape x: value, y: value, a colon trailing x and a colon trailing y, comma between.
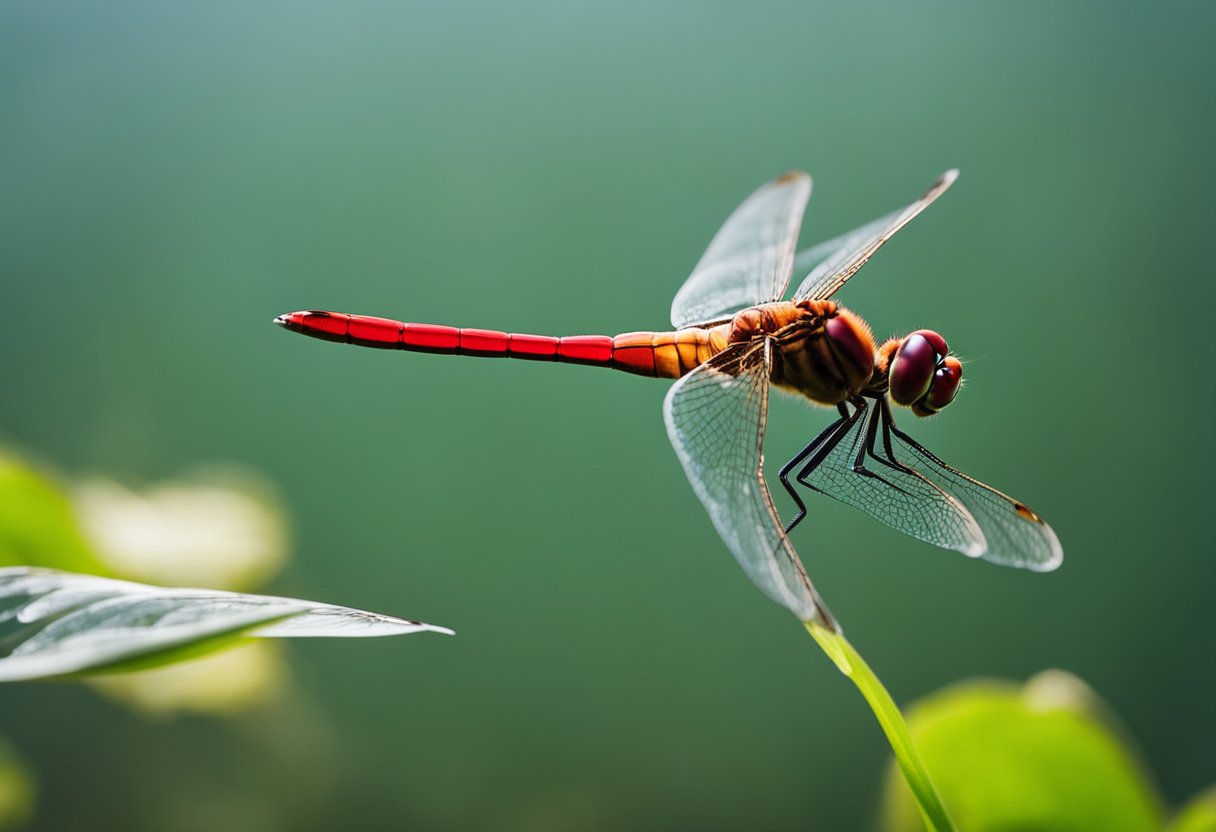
x: 818, y: 450
x: 866, y: 448
x: 846, y: 425
x: 888, y: 455
x: 889, y: 427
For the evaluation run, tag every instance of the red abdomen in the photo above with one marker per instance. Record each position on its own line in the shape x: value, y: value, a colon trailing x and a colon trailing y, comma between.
x: 662, y: 354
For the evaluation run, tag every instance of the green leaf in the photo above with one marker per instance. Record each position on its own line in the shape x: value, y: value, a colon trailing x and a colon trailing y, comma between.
x: 16, y: 790
x: 57, y: 624
x: 907, y: 760
x: 38, y: 525
x: 219, y: 528
x: 1197, y: 816
x: 1041, y: 757
x: 229, y: 682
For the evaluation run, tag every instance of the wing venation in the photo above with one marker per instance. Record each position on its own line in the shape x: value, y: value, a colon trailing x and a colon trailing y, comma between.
x: 831, y: 264
x: 893, y: 495
x: 715, y: 418
x: 750, y: 259
x: 1013, y: 534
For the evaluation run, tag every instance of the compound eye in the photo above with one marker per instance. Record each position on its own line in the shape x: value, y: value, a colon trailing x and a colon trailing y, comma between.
x: 936, y: 341
x: 911, y: 372
x: 945, y: 384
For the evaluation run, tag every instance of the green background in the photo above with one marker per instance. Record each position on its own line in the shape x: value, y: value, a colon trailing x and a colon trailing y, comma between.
x: 173, y: 175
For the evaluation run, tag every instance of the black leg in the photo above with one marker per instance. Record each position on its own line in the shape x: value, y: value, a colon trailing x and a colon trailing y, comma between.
x: 887, y: 457
x: 861, y: 411
x: 889, y: 428
x: 881, y: 412
x: 888, y: 422
x: 818, y: 451
x: 784, y: 473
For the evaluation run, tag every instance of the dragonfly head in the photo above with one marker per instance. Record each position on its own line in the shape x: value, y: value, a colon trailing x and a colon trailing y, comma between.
x: 921, y: 373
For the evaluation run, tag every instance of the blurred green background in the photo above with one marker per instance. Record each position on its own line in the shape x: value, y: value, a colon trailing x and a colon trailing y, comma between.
x: 173, y: 175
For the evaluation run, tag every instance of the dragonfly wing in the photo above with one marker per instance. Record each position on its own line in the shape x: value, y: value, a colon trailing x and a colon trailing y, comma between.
x: 751, y: 257
x: 715, y: 418
x: 899, y: 497
x: 1014, y: 535
x: 831, y: 264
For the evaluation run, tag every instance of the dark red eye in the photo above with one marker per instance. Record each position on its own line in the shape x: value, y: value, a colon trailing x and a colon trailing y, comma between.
x: 945, y: 384
x: 936, y: 341
x: 912, y: 368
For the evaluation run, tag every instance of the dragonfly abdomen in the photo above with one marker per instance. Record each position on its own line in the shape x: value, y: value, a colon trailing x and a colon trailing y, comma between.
x: 667, y: 354
x: 659, y: 354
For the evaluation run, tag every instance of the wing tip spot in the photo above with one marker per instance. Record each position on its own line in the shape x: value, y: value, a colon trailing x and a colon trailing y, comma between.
x: 943, y: 182
x: 1025, y: 513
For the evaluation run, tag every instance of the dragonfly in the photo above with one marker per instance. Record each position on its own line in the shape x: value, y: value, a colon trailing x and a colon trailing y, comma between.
x: 734, y: 338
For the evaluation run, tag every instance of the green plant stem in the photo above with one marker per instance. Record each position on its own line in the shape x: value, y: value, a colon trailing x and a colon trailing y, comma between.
x: 851, y: 664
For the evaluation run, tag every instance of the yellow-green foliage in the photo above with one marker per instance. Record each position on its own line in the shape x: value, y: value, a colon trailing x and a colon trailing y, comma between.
x: 1197, y: 816
x: 38, y: 525
x: 16, y: 790
x: 1035, y: 757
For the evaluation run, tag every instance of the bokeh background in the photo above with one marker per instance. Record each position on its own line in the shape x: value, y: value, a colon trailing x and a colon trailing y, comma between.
x: 173, y: 175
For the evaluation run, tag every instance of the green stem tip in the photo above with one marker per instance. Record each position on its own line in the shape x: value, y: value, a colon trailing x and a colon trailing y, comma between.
x: 851, y: 664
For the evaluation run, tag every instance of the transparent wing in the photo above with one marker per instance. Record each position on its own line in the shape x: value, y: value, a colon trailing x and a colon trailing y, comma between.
x: 751, y: 257
x: 893, y: 495
x: 1014, y: 535
x: 831, y: 264
x: 715, y: 418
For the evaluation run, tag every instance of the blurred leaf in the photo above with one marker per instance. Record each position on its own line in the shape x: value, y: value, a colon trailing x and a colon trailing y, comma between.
x: 1197, y: 816
x: 1041, y: 757
x: 38, y: 525
x: 55, y: 624
x: 221, y: 528
x: 16, y: 790
x: 223, y: 683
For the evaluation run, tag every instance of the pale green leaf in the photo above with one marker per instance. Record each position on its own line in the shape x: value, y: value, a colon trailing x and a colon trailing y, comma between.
x: 1042, y: 757
x: 55, y: 624
x: 1197, y: 816
x: 38, y: 525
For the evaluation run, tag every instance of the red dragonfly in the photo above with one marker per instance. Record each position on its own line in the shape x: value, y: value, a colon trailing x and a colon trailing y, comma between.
x: 734, y: 337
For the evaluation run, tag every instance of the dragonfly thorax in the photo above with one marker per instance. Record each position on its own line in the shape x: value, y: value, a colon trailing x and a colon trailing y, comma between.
x: 771, y: 318
x: 821, y: 351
